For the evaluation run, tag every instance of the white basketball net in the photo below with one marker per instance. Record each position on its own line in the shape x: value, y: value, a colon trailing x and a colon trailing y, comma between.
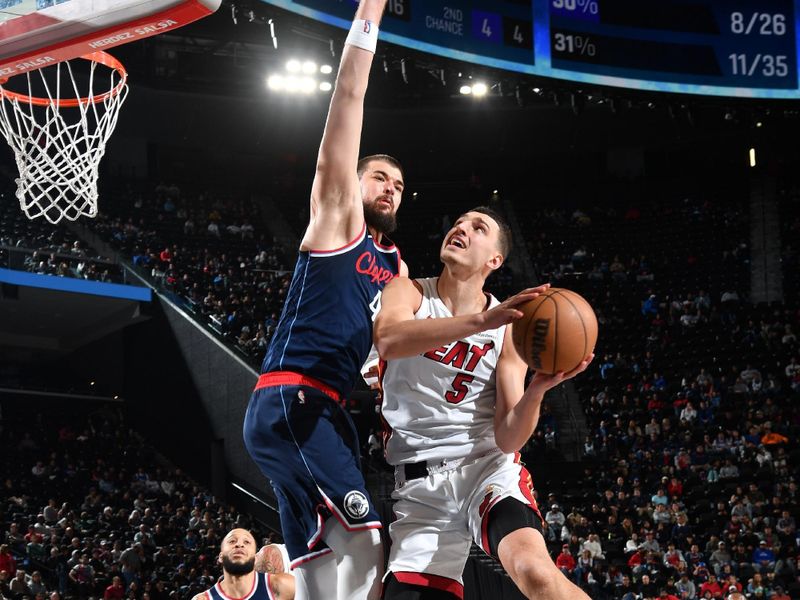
x: 58, y: 143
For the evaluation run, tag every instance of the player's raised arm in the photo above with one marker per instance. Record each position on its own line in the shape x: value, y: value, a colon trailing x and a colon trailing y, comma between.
x: 336, y: 209
x: 516, y: 408
x: 398, y: 335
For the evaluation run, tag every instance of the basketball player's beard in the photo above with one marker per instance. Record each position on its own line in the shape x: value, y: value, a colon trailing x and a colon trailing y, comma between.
x: 238, y: 569
x: 384, y: 222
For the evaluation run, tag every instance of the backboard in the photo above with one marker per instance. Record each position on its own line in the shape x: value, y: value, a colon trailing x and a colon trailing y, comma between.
x: 37, y: 33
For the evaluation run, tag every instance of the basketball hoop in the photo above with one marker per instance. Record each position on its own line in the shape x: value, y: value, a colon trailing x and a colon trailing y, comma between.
x: 58, y: 151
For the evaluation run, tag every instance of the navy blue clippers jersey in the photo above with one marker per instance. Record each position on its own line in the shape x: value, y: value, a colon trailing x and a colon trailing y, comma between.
x: 260, y: 591
x: 325, y: 331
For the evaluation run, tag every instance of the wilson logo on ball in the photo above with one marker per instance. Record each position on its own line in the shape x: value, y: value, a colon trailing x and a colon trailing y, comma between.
x: 539, y: 341
x: 557, y: 330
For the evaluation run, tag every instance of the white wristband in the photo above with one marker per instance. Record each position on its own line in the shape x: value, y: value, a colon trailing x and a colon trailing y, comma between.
x: 363, y: 34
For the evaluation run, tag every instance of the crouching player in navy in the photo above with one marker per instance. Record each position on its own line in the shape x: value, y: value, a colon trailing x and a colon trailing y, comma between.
x: 240, y: 578
x: 457, y: 413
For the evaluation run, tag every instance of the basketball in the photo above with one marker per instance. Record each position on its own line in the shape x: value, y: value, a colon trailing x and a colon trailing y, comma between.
x: 556, y: 332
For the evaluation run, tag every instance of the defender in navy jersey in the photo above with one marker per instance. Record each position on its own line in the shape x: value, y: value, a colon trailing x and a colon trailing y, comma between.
x: 240, y: 580
x: 295, y: 428
x: 326, y: 327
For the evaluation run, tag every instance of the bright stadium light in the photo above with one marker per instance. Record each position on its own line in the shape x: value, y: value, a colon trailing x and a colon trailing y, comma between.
x: 480, y: 89
x: 276, y: 83
x: 326, y: 69
x: 308, y: 85
x: 466, y: 90
x: 294, y: 66
x: 309, y: 67
x: 325, y: 86
x: 292, y: 84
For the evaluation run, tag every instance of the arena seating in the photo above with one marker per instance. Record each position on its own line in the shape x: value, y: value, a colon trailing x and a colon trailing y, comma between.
x: 210, y: 250
x: 690, y: 393
x: 790, y: 233
x: 39, y: 247
x: 86, y: 500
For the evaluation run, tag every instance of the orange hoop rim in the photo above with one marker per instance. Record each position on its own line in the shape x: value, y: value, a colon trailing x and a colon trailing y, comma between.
x: 101, y: 57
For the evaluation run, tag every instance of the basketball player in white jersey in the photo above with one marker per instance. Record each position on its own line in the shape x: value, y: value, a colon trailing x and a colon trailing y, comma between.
x: 241, y: 579
x: 457, y: 411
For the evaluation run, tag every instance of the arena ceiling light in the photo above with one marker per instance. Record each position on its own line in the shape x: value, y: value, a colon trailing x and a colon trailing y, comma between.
x: 477, y: 89
x: 300, y: 77
x: 480, y: 89
x: 292, y: 84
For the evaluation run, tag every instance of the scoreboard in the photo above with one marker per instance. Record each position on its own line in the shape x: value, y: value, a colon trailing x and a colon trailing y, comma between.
x: 743, y: 48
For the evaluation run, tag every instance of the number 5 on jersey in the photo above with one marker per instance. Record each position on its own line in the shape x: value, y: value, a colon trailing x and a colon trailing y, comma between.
x: 460, y: 388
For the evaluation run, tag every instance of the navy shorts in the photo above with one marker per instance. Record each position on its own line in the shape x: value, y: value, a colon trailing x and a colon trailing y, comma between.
x: 307, y: 445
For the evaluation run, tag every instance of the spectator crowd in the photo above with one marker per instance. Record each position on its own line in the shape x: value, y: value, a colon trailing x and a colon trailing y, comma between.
x: 88, y: 510
x: 689, y: 478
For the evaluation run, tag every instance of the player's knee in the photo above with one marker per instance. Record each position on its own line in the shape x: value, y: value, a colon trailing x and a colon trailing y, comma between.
x: 533, y: 571
x: 506, y: 517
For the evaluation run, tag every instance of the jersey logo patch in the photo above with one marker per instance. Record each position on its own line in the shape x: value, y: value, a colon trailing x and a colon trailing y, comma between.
x: 356, y: 504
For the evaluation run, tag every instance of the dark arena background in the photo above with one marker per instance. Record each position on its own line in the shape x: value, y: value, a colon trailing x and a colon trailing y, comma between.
x: 130, y: 343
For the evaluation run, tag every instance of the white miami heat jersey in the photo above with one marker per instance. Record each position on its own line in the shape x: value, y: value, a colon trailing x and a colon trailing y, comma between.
x: 440, y: 404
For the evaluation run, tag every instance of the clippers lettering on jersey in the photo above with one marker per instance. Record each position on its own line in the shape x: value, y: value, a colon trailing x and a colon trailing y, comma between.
x: 538, y: 344
x: 367, y: 264
x: 456, y: 354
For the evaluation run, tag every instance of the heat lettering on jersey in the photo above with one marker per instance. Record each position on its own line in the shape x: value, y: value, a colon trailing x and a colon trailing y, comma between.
x: 456, y: 354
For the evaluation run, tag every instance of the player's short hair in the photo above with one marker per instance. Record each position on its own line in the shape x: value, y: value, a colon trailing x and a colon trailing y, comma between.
x: 505, y: 241
x: 364, y: 163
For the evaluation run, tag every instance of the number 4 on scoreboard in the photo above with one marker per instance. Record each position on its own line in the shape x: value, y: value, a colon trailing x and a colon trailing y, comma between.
x: 487, y: 26
x: 518, y: 33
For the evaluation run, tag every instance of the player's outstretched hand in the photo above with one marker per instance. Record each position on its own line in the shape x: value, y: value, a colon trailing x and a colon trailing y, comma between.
x: 545, y: 382
x: 508, y: 311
